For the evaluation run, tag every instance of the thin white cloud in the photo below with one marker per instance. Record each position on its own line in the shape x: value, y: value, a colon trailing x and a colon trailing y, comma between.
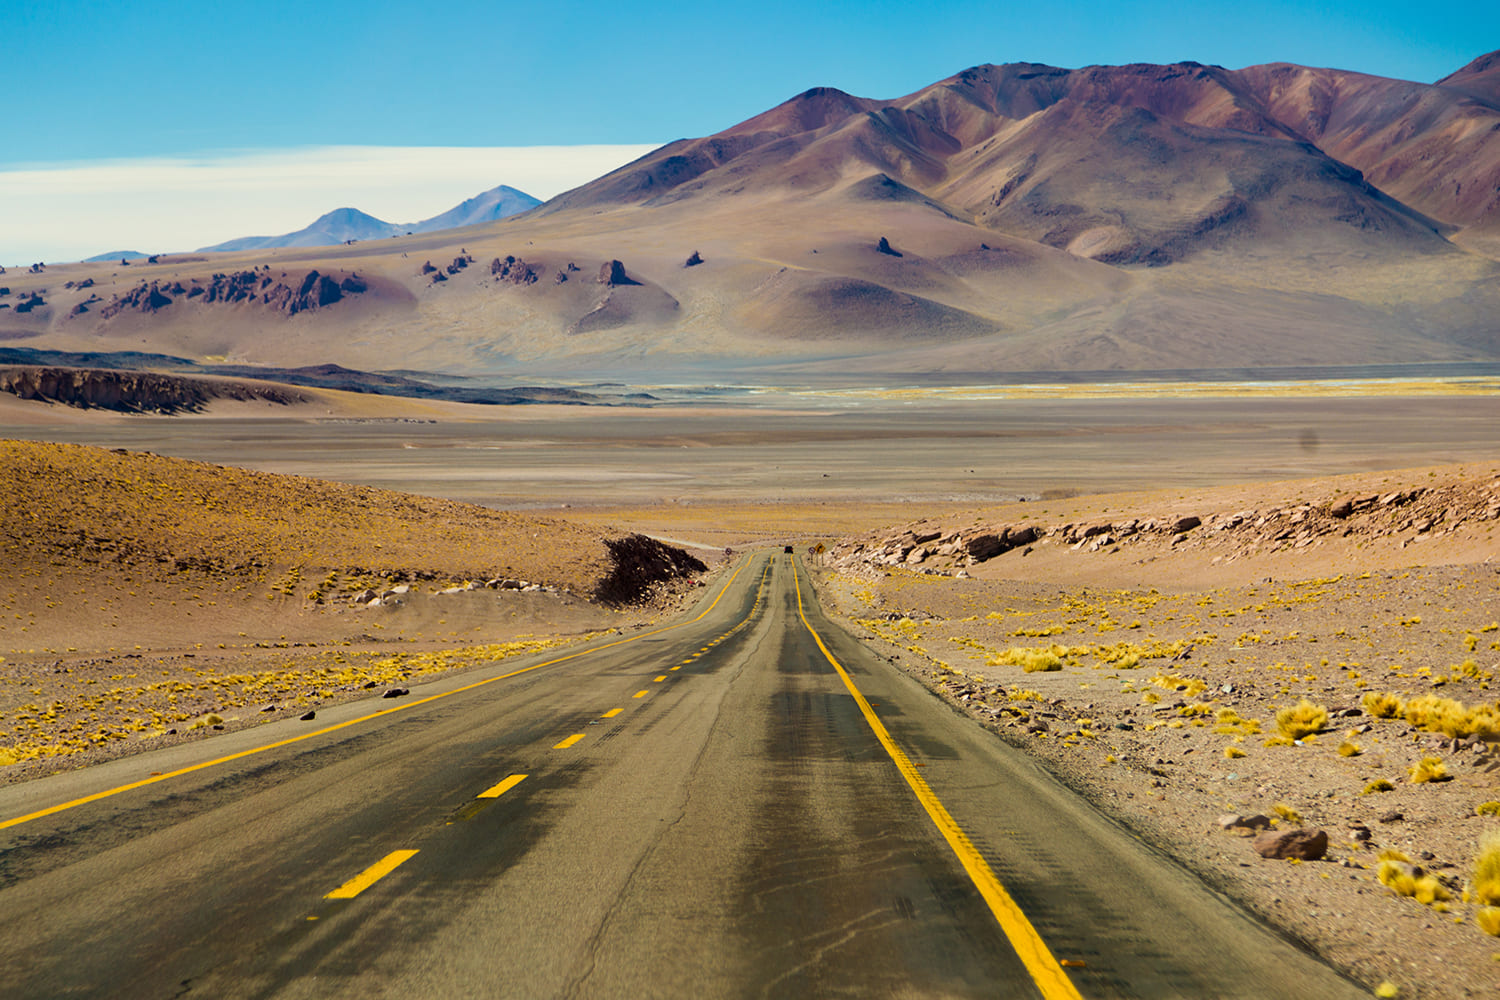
x: 66, y: 211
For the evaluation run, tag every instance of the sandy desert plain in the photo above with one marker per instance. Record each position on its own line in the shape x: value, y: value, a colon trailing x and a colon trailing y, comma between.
x: 1344, y: 554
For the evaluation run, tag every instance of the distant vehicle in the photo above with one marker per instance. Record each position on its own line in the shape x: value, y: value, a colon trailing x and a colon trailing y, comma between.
x: 787, y: 550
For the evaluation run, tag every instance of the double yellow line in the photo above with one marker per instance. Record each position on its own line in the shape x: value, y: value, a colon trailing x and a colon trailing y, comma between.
x: 1039, y: 961
x: 85, y: 800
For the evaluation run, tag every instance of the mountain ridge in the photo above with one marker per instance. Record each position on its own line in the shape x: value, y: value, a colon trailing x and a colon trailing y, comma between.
x: 1016, y: 217
x: 344, y: 224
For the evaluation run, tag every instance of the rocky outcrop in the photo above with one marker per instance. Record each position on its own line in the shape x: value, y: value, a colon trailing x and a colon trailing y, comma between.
x: 1404, y: 515
x: 516, y: 271
x: 884, y: 246
x: 694, y: 259
x: 312, y: 291
x: 612, y: 273
x: 131, y: 392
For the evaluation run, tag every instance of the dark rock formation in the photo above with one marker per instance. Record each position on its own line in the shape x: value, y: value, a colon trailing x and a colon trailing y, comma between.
x: 613, y: 274
x: 514, y: 270
x: 26, y: 305
x: 884, y: 246
x: 694, y: 259
x: 128, y: 391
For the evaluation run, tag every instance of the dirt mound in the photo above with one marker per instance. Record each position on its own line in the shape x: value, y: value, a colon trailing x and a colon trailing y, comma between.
x: 641, y: 566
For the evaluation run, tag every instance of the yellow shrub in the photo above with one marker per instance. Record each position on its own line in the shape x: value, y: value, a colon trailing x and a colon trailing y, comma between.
x: 1378, y: 785
x: 1488, y: 920
x: 1287, y: 813
x: 1233, y: 752
x: 1486, y: 885
x: 1452, y: 718
x: 1302, y: 720
x: 1428, y: 769
x: 1487, y: 809
x: 1425, y: 889
x: 1033, y: 659
x: 1382, y: 706
x: 1348, y: 749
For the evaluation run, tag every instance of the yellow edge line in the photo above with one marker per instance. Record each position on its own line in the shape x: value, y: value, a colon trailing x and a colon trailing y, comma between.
x: 371, y: 875
x: 1030, y: 948
x: 85, y: 800
x: 496, y: 791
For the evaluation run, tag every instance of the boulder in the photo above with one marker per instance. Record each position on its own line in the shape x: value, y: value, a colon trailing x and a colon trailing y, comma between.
x: 694, y: 259
x: 1185, y: 524
x: 612, y: 273
x: 1299, y: 843
x: 983, y: 547
x: 884, y: 246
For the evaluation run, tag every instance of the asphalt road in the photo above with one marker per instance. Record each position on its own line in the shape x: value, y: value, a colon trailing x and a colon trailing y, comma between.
x: 746, y: 803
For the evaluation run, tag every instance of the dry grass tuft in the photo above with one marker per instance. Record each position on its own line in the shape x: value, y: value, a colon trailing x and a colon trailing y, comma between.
x: 1428, y: 769
x: 1304, y: 719
x: 1452, y: 718
x: 1378, y: 785
x: 1349, y: 749
x: 1486, y: 884
x: 1382, y: 706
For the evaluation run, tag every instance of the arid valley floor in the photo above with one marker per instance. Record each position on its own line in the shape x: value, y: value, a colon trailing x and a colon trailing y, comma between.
x: 1195, y: 561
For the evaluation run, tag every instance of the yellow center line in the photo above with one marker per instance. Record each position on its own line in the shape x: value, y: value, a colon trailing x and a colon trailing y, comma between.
x: 640, y: 694
x: 658, y: 680
x: 678, y: 667
x: 496, y: 791
x: 62, y: 806
x: 568, y: 742
x: 611, y: 713
x: 371, y: 875
x: 1039, y: 961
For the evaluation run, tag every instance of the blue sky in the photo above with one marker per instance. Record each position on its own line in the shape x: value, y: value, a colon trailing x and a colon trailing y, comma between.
x: 115, y: 80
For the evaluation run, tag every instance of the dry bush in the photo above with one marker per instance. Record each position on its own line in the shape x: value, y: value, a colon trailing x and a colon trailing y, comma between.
x: 1486, y: 884
x: 1452, y: 718
x: 1382, y: 706
x: 1428, y: 769
x: 1303, y: 720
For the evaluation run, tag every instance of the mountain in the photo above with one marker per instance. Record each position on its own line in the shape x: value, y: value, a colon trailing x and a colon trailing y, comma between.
x: 338, y: 226
x: 496, y: 203
x: 115, y: 255
x: 1009, y: 218
x: 345, y: 224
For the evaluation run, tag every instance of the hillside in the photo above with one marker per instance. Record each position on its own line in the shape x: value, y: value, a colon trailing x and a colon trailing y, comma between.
x: 1009, y: 218
x: 70, y: 513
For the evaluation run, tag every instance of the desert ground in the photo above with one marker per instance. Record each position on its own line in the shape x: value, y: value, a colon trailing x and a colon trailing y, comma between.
x: 153, y: 598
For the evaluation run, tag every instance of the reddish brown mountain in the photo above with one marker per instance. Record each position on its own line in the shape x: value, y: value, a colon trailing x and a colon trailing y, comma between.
x: 1009, y: 218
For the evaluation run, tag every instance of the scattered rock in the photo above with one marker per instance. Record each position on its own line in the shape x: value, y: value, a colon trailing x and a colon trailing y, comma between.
x: 1234, y: 821
x: 694, y: 259
x: 396, y: 693
x: 1300, y: 843
x: 308, y: 717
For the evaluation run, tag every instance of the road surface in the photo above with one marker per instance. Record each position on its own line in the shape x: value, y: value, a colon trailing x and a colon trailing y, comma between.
x: 746, y: 803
